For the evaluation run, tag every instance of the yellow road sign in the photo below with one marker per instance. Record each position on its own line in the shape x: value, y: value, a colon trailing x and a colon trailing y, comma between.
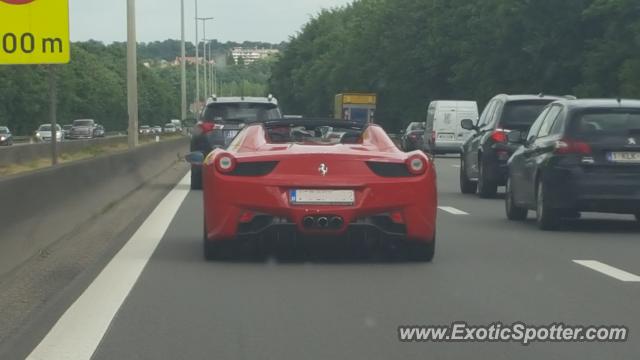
x: 34, y: 32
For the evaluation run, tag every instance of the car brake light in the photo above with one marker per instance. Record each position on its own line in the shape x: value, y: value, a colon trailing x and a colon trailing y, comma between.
x: 572, y: 147
x: 225, y: 163
x: 396, y: 217
x: 416, y: 165
x: 246, y: 217
x: 499, y: 136
x: 207, y: 127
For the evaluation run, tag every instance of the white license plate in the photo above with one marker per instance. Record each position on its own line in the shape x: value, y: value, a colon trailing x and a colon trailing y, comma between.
x: 446, y: 137
x: 322, y: 197
x: 625, y: 157
x: 230, y: 134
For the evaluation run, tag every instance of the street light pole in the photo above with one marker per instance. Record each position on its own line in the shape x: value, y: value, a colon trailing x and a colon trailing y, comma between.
x: 183, y: 67
x: 132, y: 74
x: 197, y: 103
x: 204, y: 48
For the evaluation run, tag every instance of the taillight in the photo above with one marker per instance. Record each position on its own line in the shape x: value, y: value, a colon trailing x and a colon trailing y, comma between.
x: 416, y: 165
x: 565, y: 146
x: 206, y: 127
x: 225, y: 163
x: 499, y: 136
x: 396, y: 217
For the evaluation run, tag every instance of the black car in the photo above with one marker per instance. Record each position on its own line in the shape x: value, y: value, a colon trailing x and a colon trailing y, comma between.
x: 222, y: 119
x: 6, y: 139
x: 580, y: 155
x: 483, y: 162
x: 412, y: 137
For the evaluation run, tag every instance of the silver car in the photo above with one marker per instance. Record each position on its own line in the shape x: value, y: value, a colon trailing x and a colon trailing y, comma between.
x: 44, y: 133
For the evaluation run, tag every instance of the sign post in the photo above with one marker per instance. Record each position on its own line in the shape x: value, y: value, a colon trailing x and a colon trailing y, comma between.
x: 36, y: 32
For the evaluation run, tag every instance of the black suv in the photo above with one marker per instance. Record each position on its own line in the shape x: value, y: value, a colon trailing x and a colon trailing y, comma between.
x: 412, y: 137
x: 579, y: 155
x: 222, y: 119
x: 483, y: 163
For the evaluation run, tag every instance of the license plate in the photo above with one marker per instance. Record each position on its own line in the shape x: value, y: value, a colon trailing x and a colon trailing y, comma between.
x: 625, y: 157
x: 446, y: 136
x: 230, y: 134
x: 322, y: 197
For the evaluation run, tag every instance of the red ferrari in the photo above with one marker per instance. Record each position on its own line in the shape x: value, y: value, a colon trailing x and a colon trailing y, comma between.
x: 300, y: 179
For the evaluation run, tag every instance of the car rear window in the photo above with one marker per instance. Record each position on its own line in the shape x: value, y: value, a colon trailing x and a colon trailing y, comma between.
x: 522, y: 114
x: 241, y: 112
x: 83, y: 123
x: 614, y: 121
x: 313, y: 135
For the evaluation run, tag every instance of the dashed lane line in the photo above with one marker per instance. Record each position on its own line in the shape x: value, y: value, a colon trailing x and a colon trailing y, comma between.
x: 608, y: 270
x: 452, y: 210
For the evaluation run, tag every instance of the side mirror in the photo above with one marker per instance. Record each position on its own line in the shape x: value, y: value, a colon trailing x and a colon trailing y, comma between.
x: 468, y: 124
x: 516, y: 137
x: 195, y: 158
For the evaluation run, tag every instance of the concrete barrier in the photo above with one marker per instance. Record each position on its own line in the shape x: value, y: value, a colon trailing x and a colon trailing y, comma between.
x: 38, y: 208
x: 24, y: 153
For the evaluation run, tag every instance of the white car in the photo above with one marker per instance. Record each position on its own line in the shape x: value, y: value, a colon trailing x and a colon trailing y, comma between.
x: 443, y: 125
x: 169, y: 129
x: 44, y: 133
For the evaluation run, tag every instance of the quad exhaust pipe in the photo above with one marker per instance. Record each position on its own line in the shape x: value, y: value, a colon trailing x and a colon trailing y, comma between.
x: 322, y: 222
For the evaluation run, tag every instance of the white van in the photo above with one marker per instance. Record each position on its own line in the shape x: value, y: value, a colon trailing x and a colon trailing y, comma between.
x: 443, y: 123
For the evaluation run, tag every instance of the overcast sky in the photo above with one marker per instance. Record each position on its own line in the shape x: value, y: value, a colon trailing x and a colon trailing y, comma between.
x: 236, y: 20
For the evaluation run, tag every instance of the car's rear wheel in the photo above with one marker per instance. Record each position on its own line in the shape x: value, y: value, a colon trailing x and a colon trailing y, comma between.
x: 466, y: 186
x: 513, y: 211
x: 196, y: 178
x: 420, y: 251
x: 486, y: 188
x: 547, y: 218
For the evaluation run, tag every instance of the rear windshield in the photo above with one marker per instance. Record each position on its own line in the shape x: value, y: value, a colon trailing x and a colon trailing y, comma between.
x: 47, y: 127
x: 241, y: 112
x: 613, y: 121
x: 522, y: 114
x: 83, y: 123
x: 416, y: 126
x: 313, y: 135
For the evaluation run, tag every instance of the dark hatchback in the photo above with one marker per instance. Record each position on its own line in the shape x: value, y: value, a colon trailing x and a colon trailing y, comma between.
x: 579, y: 156
x: 222, y: 119
x: 483, y: 162
x: 412, y: 137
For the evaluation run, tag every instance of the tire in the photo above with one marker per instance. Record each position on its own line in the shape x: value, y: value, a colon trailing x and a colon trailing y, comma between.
x: 514, y: 212
x: 418, y: 251
x: 466, y: 186
x: 196, y: 178
x: 486, y: 189
x: 546, y: 217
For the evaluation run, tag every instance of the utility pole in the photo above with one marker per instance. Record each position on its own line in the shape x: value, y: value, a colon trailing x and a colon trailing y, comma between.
x: 197, y: 103
x: 204, y: 46
x: 53, y: 105
x: 132, y: 74
x: 183, y: 67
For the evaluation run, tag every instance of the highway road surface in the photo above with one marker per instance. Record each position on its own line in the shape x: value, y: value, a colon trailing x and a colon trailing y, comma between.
x: 158, y: 299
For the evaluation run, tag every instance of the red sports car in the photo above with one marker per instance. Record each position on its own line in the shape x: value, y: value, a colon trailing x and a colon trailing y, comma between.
x: 300, y: 179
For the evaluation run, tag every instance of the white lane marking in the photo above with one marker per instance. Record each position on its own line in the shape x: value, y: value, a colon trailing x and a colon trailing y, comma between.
x: 452, y: 210
x: 456, y: 166
x: 609, y: 270
x: 78, y: 332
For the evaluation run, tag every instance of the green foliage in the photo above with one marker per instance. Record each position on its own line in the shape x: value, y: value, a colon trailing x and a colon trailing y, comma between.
x: 93, y: 86
x: 413, y: 51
